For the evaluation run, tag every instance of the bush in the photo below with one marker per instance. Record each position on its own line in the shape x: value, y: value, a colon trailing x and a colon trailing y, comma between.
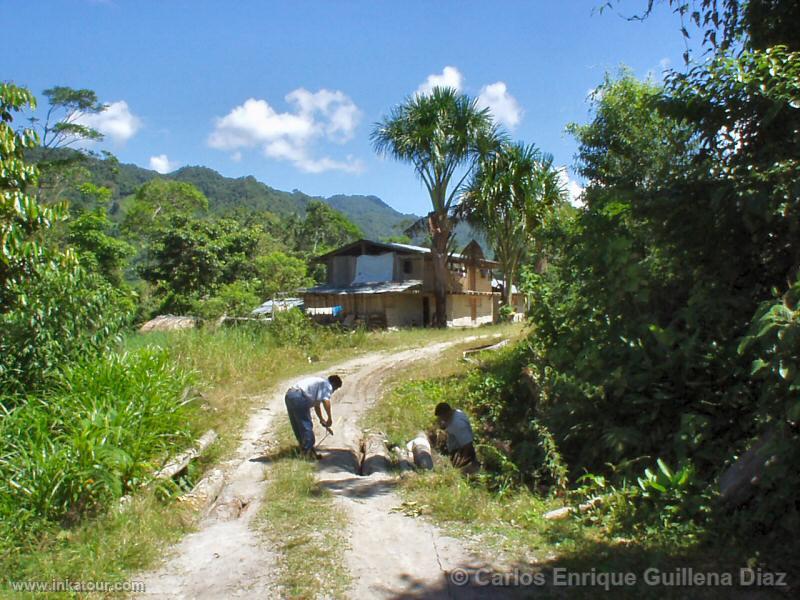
x: 663, y: 504
x: 235, y: 299
x: 94, y: 436
x: 55, y: 316
x: 506, y: 313
x: 293, y: 328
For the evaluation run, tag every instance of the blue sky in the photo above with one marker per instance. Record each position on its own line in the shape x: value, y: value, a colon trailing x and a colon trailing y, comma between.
x: 289, y: 91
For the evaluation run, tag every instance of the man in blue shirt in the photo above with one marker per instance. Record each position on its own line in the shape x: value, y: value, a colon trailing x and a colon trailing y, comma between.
x: 308, y: 392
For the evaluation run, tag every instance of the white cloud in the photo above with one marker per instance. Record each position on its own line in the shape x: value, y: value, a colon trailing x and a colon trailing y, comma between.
x: 340, y: 114
x: 449, y: 77
x: 504, y: 107
x: 324, y: 115
x: 116, y: 122
x: 572, y: 187
x: 350, y: 165
x: 162, y: 164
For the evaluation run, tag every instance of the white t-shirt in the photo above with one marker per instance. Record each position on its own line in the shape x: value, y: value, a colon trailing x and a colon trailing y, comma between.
x: 459, y: 431
x: 315, y: 389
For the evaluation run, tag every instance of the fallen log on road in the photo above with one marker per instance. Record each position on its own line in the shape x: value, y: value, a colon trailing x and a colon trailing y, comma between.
x: 421, y: 450
x: 376, y: 456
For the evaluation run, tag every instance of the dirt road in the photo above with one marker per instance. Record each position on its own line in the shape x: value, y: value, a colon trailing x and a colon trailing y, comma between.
x: 390, y: 555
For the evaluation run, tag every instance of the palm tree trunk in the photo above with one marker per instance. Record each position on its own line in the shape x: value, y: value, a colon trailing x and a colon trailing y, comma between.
x: 440, y: 276
x: 507, y: 279
x: 440, y: 234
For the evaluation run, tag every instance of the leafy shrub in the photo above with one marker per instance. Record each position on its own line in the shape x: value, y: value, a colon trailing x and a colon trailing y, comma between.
x: 94, y: 436
x: 57, y: 315
x: 522, y: 449
x: 506, y: 313
x: 293, y: 328
x: 233, y: 299
x: 773, y: 341
x: 664, y: 503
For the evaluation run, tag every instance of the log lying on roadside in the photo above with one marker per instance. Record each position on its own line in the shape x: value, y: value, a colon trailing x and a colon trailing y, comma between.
x: 403, y: 458
x: 180, y: 462
x: 467, y: 354
x: 206, y: 491
x: 562, y: 513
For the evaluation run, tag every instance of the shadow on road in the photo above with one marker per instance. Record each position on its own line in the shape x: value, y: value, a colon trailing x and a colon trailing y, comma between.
x: 597, y: 570
x: 360, y: 487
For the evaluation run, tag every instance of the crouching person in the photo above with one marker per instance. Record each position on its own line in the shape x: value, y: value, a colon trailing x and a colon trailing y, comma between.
x: 459, y: 436
x: 300, y: 398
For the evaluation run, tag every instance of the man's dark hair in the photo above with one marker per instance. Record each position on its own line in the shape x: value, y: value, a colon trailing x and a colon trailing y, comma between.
x: 442, y: 409
x: 335, y: 381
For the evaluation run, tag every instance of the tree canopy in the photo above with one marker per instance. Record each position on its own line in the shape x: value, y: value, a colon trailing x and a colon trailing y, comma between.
x: 442, y: 135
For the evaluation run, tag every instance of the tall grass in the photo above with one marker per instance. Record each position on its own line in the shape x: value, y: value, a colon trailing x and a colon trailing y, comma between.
x: 93, y: 437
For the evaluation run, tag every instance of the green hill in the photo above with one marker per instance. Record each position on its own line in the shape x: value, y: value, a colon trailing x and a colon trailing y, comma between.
x: 376, y: 219
x: 373, y: 216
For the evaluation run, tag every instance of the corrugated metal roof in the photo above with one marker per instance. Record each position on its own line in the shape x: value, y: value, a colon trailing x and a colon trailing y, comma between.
x: 407, y: 248
x: 282, y: 304
x: 380, y: 287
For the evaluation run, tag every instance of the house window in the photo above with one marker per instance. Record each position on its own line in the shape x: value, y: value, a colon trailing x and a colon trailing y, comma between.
x: 408, y: 267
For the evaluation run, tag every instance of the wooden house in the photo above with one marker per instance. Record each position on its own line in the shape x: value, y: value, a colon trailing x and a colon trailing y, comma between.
x: 391, y: 285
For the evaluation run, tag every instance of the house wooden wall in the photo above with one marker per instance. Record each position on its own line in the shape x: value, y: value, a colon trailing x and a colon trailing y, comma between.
x: 462, y: 307
x: 341, y: 270
x: 406, y: 309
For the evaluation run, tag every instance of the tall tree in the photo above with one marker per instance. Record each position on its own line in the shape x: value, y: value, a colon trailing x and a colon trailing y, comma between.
x: 51, y: 310
x: 324, y: 228
x: 157, y: 201
x: 61, y: 128
x: 62, y: 124
x: 508, y: 198
x: 22, y: 219
x: 442, y: 134
x: 188, y: 258
x: 92, y: 234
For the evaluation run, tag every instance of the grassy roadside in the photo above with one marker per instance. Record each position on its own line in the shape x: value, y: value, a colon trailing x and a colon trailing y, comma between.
x: 507, y: 522
x: 304, y: 525
x: 233, y: 369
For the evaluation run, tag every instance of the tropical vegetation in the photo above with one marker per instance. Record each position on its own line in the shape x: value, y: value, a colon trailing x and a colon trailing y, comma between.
x: 442, y: 135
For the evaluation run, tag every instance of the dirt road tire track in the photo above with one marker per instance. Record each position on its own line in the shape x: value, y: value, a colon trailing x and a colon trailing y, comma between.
x: 390, y: 556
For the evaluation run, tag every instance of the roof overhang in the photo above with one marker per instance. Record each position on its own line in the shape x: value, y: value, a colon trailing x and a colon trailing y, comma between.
x: 378, y: 287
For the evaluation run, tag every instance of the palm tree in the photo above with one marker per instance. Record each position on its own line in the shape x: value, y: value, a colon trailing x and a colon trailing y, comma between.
x: 442, y: 134
x: 508, y: 198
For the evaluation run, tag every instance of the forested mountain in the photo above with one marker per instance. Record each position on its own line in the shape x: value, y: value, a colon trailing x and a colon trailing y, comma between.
x: 376, y: 219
